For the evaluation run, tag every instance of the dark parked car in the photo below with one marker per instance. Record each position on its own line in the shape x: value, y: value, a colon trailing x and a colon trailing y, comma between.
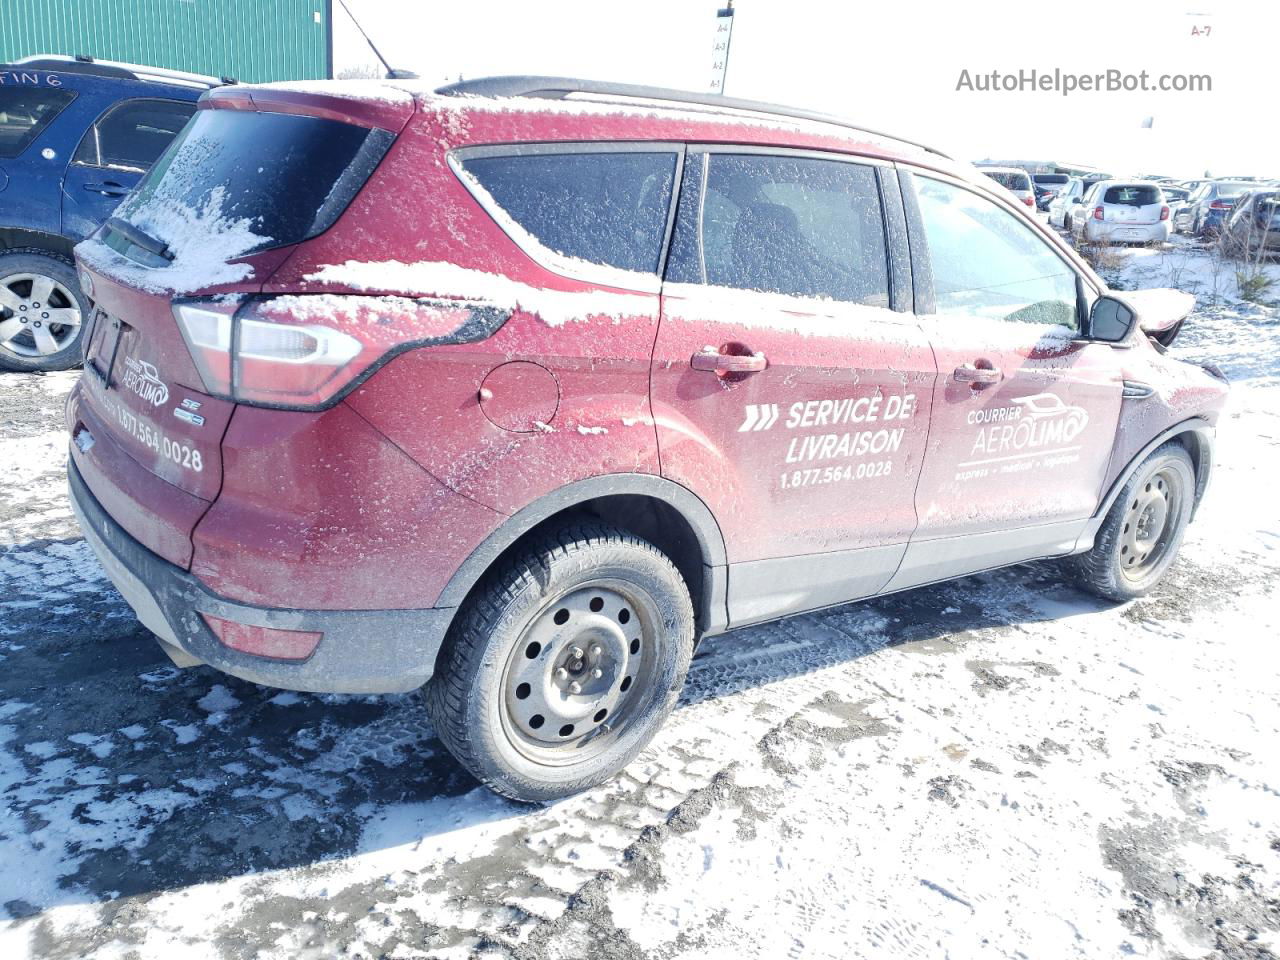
x: 1206, y: 210
x: 1254, y: 224
x: 1048, y: 186
x: 75, y: 136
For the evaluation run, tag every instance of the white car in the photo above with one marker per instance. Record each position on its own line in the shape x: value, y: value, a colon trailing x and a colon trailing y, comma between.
x: 1122, y: 211
x: 1060, y: 207
x: 1016, y: 180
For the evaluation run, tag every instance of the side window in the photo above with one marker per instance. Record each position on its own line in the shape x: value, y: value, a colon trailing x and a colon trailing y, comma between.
x: 793, y: 225
x: 24, y: 113
x: 605, y: 208
x: 133, y: 134
x: 987, y: 263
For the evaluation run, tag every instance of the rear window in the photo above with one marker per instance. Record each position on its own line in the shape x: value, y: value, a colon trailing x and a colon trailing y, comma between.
x: 282, y: 178
x: 24, y: 112
x: 1050, y: 179
x: 604, y: 208
x: 1010, y: 181
x: 1229, y: 190
x: 1132, y: 196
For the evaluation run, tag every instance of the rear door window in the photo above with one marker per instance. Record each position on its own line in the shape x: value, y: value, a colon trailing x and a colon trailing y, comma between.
x: 24, y: 113
x: 133, y: 134
x: 794, y: 225
x: 608, y: 208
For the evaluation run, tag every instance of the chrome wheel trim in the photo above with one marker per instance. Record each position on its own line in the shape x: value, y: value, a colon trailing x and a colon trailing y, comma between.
x: 38, y: 315
x: 582, y: 669
x: 1151, y: 522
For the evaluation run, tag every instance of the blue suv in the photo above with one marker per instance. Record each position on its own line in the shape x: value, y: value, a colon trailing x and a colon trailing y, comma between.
x: 75, y: 136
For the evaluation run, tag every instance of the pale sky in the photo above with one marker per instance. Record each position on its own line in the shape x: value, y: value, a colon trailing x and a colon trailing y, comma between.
x: 894, y: 66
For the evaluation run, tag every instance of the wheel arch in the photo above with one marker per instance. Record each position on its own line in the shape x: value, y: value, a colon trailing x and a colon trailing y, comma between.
x: 663, y: 512
x: 1195, y: 434
x: 15, y: 239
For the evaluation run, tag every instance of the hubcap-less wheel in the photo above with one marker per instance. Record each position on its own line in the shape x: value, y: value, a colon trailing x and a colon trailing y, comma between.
x: 1148, y: 526
x: 38, y: 315
x: 581, y: 670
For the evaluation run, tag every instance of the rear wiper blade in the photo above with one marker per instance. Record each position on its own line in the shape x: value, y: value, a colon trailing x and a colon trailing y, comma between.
x: 140, y: 239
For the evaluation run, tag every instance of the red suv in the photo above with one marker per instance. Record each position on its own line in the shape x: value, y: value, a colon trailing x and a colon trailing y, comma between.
x: 519, y: 387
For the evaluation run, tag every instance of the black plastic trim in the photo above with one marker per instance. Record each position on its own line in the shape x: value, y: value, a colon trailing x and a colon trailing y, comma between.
x: 688, y: 504
x: 362, y: 651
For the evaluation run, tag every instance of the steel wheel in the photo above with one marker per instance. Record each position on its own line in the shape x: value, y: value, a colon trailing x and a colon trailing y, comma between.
x: 38, y: 315
x: 582, y: 668
x: 1148, y: 528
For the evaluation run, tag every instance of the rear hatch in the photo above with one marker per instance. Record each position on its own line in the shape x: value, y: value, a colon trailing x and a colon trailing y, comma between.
x: 239, y: 188
x: 1135, y: 204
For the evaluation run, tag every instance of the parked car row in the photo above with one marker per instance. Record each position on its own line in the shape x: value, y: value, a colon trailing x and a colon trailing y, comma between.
x: 1146, y: 211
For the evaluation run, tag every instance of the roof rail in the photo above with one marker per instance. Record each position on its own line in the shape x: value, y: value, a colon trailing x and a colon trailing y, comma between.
x: 561, y: 87
x: 111, y: 68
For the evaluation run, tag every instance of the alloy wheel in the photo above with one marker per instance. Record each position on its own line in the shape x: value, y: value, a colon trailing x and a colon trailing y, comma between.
x: 38, y: 315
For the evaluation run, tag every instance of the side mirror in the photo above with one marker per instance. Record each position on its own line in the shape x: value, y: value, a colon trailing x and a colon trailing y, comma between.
x: 1110, y: 320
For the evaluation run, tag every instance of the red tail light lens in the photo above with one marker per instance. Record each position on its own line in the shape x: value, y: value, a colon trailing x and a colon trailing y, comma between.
x: 1220, y: 205
x: 1098, y: 213
x: 264, y: 641
x: 302, y: 351
x: 1029, y: 201
x: 1164, y: 213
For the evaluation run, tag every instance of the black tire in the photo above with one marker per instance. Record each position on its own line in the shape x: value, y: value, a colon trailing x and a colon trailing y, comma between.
x: 500, y: 729
x: 22, y: 351
x: 1125, y: 564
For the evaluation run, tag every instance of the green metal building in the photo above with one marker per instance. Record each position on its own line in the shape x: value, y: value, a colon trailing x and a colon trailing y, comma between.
x: 252, y: 40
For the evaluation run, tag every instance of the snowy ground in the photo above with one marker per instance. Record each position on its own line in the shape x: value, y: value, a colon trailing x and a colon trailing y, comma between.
x: 998, y: 767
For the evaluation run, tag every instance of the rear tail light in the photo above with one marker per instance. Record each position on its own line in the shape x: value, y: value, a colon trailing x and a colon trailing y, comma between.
x: 1220, y: 205
x: 1029, y: 201
x: 264, y: 641
x: 302, y: 351
x: 1098, y: 213
x: 1164, y: 213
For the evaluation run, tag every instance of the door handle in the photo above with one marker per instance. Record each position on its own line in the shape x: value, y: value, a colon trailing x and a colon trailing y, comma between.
x: 978, y: 376
x: 713, y: 362
x: 108, y: 189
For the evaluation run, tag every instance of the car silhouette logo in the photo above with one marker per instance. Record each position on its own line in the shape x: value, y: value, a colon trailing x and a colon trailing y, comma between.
x: 1046, y: 406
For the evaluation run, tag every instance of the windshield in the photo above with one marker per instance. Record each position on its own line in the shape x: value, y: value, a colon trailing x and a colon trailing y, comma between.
x: 255, y: 180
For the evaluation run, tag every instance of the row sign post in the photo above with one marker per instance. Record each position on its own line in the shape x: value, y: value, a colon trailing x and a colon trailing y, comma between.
x: 720, y: 53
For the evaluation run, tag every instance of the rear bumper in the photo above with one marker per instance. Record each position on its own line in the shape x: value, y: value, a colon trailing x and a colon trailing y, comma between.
x: 1127, y: 232
x: 362, y: 651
